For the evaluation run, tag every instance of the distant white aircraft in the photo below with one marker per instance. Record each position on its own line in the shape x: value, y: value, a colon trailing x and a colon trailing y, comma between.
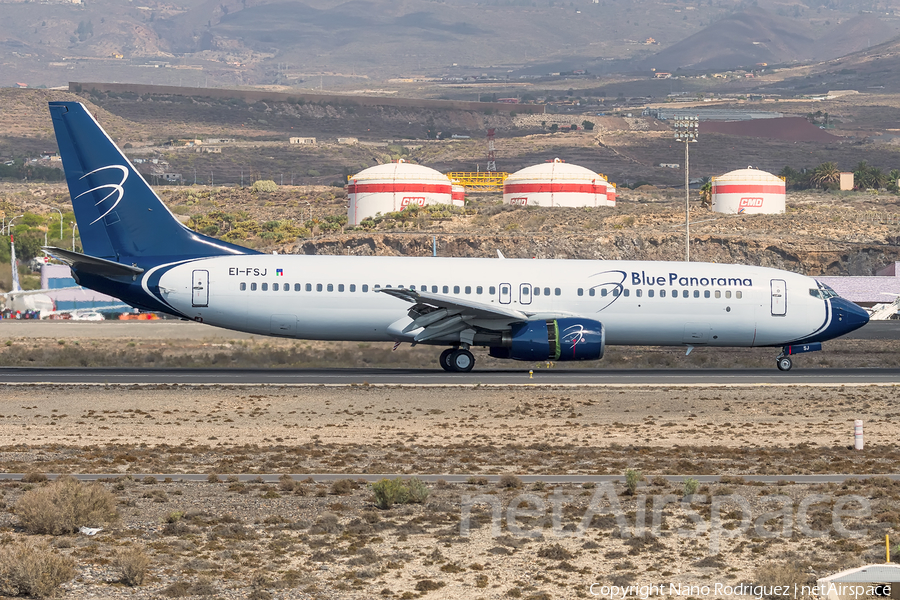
x: 19, y: 300
x: 535, y: 310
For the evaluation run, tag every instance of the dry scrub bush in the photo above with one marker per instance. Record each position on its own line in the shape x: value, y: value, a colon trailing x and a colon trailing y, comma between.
x: 32, y: 569
x: 787, y: 574
x: 510, y: 481
x: 132, y: 565
x: 65, y: 505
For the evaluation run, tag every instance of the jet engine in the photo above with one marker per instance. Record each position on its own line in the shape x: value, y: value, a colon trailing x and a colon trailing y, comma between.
x: 554, y: 339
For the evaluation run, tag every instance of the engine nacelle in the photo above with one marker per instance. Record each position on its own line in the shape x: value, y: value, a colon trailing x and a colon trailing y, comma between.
x: 556, y: 339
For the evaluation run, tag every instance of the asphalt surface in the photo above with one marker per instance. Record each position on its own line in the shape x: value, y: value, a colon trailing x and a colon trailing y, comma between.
x: 458, y: 478
x: 419, y: 377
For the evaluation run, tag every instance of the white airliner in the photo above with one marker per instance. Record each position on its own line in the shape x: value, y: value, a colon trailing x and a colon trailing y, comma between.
x: 19, y: 300
x: 531, y: 310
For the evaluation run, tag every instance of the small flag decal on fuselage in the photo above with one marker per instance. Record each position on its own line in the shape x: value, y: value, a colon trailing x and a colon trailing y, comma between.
x: 279, y: 272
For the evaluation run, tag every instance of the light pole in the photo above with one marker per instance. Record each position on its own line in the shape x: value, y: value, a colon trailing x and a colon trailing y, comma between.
x: 60, y: 222
x: 9, y: 225
x: 74, y: 227
x: 687, y: 130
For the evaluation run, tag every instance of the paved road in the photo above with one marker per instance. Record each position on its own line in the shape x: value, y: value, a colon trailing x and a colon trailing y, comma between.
x: 463, y: 478
x: 555, y: 376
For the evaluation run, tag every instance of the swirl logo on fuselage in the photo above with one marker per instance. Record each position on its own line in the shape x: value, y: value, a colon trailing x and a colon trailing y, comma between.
x: 116, y: 188
x: 609, y: 286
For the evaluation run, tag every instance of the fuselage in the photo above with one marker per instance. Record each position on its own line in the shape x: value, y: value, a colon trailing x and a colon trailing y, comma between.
x: 639, y: 303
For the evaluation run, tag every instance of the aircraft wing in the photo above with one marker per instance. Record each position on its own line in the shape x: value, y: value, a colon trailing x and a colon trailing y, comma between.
x: 439, y: 316
x: 92, y: 264
x: 37, y: 292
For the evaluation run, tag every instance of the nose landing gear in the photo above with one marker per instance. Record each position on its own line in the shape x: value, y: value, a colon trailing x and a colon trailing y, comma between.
x: 783, y: 360
x: 457, y: 360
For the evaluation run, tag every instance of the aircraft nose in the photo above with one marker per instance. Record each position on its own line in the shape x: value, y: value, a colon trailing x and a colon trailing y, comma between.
x: 848, y: 316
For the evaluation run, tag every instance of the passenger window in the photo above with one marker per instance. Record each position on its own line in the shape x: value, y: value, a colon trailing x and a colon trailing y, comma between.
x: 252, y: 287
x: 308, y: 287
x: 274, y: 287
x: 352, y: 287
x: 296, y: 287
x: 662, y: 293
x: 265, y: 287
x: 718, y: 293
x: 591, y: 292
x: 340, y: 287
x: 330, y: 287
x: 580, y: 292
x: 318, y: 287
x: 546, y: 291
x: 479, y: 289
x: 603, y: 292
x: 728, y: 293
x: 684, y: 293
x: 455, y: 289
x: 649, y: 293
x: 365, y: 287
x: 738, y: 295
x: 446, y: 289
x: 376, y: 287
x: 243, y: 287
x: 616, y: 292
x: 638, y: 293
x: 537, y: 291
x: 627, y: 292
x: 468, y: 289
x: 434, y: 289
x: 287, y: 287
x: 492, y: 290
x: 696, y: 293
x: 558, y: 292
x: 706, y: 293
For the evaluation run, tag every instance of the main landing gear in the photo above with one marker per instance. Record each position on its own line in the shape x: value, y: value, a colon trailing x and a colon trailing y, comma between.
x: 457, y: 360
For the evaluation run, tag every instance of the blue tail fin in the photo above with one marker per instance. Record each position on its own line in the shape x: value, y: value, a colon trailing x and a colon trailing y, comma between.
x: 119, y: 216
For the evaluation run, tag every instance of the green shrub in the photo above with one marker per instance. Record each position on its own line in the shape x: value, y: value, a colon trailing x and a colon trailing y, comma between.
x: 65, y: 505
x: 264, y: 185
x: 418, y: 491
x: 389, y: 492
x: 690, y: 486
x: 632, y: 478
x: 32, y: 569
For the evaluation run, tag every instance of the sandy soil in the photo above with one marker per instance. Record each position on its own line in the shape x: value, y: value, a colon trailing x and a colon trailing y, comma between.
x: 318, y: 540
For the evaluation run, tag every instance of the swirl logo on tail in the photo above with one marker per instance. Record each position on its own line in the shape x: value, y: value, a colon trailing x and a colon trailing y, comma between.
x: 115, y: 187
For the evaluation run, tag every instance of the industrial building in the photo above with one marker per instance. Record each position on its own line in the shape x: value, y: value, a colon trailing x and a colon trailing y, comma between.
x: 558, y: 184
x: 748, y: 191
x: 394, y: 187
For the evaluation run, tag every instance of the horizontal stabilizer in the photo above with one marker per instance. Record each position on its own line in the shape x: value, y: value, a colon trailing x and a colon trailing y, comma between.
x: 92, y: 264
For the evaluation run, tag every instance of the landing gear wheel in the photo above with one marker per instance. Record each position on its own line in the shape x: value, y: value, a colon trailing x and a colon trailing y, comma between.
x: 462, y: 361
x: 445, y: 359
x: 784, y: 363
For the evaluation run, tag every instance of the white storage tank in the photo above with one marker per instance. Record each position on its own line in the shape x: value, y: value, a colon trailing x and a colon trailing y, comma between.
x: 748, y: 191
x: 393, y: 187
x: 458, y: 195
x: 558, y: 184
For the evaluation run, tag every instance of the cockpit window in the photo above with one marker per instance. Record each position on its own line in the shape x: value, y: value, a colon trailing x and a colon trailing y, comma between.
x: 815, y: 293
x: 825, y: 292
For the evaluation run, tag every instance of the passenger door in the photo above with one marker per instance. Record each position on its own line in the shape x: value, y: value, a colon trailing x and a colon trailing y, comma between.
x: 779, y: 298
x: 200, y: 288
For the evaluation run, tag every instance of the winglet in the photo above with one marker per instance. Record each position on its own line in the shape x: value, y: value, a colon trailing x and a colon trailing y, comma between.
x: 500, y: 254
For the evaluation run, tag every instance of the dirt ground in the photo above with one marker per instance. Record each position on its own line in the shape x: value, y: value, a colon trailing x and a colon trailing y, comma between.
x: 312, y: 539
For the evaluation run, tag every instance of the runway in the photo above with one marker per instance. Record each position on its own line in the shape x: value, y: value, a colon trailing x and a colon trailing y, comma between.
x: 436, y: 377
